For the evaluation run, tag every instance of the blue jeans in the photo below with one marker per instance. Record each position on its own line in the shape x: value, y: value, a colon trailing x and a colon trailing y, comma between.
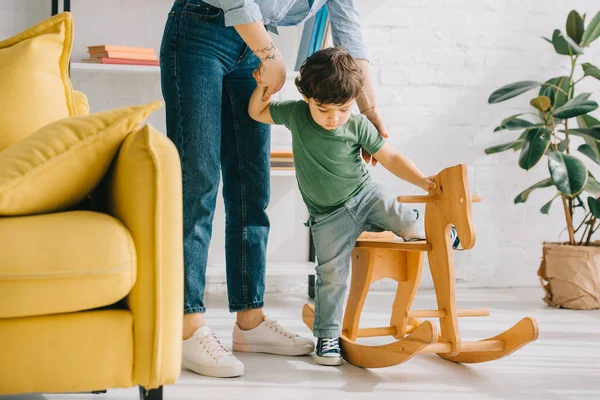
x: 334, y: 234
x: 206, y: 73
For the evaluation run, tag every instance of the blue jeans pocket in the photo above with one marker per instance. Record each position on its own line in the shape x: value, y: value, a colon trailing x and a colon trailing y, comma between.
x: 201, y: 10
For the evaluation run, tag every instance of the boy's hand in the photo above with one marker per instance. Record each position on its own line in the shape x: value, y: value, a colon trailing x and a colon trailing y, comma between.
x: 256, y: 76
x: 427, y: 184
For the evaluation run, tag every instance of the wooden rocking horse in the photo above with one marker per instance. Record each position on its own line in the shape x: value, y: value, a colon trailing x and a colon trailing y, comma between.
x: 378, y: 256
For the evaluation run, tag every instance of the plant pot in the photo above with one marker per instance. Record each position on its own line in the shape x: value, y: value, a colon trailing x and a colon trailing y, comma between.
x: 570, y: 275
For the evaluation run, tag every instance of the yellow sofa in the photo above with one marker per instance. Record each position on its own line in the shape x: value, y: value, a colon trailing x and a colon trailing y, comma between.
x: 92, y: 298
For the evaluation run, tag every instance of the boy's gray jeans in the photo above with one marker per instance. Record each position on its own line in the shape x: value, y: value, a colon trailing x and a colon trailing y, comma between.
x: 372, y: 209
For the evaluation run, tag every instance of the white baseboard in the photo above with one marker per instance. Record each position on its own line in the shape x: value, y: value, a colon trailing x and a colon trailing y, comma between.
x: 282, y: 277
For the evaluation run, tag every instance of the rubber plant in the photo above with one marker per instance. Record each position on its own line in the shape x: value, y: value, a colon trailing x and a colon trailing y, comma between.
x: 558, y: 112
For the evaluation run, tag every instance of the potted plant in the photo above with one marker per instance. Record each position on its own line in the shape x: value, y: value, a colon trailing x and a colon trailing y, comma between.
x: 558, y: 118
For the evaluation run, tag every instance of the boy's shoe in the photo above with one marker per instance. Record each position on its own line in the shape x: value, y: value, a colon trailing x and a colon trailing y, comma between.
x: 270, y: 337
x: 328, y: 352
x: 455, y: 240
x: 204, y: 354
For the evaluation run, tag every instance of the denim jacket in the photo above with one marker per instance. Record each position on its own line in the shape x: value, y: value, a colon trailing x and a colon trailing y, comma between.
x: 345, y: 26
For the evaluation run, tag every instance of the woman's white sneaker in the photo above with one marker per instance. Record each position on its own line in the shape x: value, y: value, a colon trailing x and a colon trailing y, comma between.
x: 204, y: 354
x: 270, y: 337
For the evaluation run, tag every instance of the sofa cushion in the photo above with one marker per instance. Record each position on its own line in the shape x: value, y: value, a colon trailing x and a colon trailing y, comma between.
x: 64, y: 262
x: 60, y: 164
x: 34, y: 77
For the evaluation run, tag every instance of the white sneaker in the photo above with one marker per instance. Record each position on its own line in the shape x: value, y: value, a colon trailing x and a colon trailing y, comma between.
x: 204, y: 354
x: 270, y: 337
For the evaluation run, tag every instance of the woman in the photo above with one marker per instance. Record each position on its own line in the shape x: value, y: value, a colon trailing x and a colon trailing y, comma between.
x: 208, y: 54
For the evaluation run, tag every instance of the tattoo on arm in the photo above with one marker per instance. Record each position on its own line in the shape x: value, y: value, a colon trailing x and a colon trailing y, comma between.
x: 268, y: 53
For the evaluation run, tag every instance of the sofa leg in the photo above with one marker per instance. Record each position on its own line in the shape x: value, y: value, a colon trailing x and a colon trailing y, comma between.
x: 153, y: 394
x: 98, y: 391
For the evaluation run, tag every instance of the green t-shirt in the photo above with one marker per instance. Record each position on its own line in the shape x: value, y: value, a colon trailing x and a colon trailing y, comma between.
x: 329, y: 166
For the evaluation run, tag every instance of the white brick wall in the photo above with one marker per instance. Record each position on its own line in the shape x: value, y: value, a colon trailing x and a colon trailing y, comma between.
x: 435, y: 63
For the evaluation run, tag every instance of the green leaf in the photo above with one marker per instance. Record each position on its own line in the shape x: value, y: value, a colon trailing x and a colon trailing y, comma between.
x: 564, y: 45
x: 512, y: 90
x: 592, y: 186
x: 578, y: 105
x: 594, y: 206
x: 590, y: 70
x: 546, y: 208
x: 548, y: 40
x: 575, y: 26
x: 516, y: 145
x: 524, y: 195
x: 534, y: 146
x: 557, y: 97
x: 589, y: 151
x: 514, y: 123
x: 568, y: 173
x: 593, y: 133
x: 563, y: 145
x: 592, y: 32
x: 542, y: 103
x: 587, y: 121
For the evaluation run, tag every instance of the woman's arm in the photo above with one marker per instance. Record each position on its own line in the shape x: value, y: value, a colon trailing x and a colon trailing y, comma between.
x: 272, y: 67
x: 246, y: 18
x: 346, y: 32
x: 403, y: 167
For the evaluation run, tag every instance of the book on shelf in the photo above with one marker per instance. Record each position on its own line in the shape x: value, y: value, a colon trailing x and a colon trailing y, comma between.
x: 125, y: 55
x: 316, y: 35
x: 120, y: 61
x: 123, y: 49
x: 283, y: 166
x: 282, y: 160
x: 281, y: 154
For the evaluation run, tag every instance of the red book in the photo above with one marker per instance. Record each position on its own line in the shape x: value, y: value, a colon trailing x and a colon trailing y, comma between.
x: 123, y: 61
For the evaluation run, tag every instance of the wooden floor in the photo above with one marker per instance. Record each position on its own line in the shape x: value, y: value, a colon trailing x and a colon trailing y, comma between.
x: 563, y: 364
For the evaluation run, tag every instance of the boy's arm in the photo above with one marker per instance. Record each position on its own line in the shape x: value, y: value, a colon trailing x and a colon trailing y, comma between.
x: 402, y: 167
x: 259, y: 109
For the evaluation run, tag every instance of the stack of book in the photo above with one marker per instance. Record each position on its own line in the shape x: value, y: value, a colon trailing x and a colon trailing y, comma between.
x: 106, y: 54
x: 282, y: 160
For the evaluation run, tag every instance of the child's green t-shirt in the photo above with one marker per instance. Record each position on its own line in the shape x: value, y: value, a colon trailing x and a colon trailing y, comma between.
x: 329, y: 166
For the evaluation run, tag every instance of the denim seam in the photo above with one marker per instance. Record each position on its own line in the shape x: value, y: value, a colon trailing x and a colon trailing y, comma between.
x: 194, y: 310
x: 243, y: 258
x: 327, y: 333
x: 354, y: 218
x: 179, y: 108
x: 246, y: 306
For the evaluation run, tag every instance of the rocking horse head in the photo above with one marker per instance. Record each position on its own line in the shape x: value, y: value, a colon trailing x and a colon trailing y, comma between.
x: 453, y: 205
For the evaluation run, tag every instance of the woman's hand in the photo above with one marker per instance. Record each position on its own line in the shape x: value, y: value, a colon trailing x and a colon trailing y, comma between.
x: 271, y: 73
x: 376, y: 119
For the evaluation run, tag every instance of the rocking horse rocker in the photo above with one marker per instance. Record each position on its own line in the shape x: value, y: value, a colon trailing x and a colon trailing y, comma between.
x: 378, y: 256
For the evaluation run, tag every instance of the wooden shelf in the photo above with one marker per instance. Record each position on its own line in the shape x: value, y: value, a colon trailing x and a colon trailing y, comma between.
x: 80, y: 66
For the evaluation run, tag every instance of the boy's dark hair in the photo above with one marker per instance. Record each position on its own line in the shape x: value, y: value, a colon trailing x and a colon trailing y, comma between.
x: 330, y: 76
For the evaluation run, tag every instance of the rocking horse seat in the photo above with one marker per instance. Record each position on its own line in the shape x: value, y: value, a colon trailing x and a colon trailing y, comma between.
x: 388, y: 240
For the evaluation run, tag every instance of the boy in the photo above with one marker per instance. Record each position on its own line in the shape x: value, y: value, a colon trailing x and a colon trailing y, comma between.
x: 341, y: 197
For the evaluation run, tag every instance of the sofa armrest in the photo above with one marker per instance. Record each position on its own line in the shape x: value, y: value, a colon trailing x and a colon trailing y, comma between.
x: 80, y: 100
x: 143, y: 190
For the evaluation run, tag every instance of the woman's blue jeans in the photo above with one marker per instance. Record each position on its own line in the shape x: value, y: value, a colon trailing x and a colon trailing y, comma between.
x: 206, y: 73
